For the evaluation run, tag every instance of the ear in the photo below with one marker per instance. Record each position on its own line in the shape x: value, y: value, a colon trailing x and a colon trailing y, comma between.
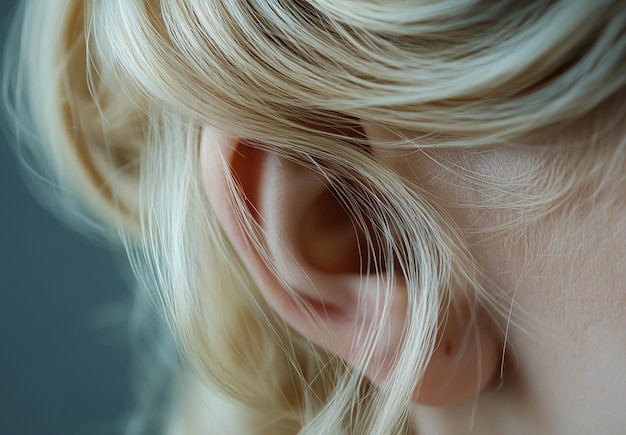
x: 303, y: 251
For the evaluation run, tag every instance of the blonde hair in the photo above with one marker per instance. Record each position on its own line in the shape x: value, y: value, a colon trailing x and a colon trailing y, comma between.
x: 120, y: 90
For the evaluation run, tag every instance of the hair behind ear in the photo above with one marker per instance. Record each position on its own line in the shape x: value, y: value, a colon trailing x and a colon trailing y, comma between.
x: 63, y: 101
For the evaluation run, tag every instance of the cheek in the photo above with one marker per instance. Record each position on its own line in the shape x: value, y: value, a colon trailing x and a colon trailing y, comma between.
x: 576, y: 281
x: 568, y: 323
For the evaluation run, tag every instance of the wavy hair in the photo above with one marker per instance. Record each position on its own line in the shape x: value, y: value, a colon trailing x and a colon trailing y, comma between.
x: 118, y: 93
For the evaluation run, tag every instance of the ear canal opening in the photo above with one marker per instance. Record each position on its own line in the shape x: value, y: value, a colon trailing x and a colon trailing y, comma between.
x: 331, y: 240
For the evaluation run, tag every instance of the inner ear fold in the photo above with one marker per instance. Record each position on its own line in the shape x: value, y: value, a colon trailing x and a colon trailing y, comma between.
x: 331, y: 242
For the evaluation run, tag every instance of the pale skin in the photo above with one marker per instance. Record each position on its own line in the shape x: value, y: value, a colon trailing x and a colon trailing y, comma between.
x: 564, y: 366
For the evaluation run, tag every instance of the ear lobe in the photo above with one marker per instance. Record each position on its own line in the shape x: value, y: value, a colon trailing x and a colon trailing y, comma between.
x: 304, y: 253
x: 465, y: 361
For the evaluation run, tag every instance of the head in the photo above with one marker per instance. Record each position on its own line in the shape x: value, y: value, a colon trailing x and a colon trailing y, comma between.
x: 347, y: 210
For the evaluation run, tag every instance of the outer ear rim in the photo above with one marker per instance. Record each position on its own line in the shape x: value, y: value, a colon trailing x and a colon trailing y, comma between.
x: 229, y: 156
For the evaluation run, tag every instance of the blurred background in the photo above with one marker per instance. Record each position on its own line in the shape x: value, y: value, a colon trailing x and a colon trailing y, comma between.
x: 64, y: 353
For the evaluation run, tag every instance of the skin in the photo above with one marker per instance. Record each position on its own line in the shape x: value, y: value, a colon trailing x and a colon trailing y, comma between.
x: 564, y: 370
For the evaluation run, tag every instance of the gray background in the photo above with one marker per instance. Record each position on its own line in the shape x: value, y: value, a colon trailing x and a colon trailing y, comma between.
x: 64, y: 354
